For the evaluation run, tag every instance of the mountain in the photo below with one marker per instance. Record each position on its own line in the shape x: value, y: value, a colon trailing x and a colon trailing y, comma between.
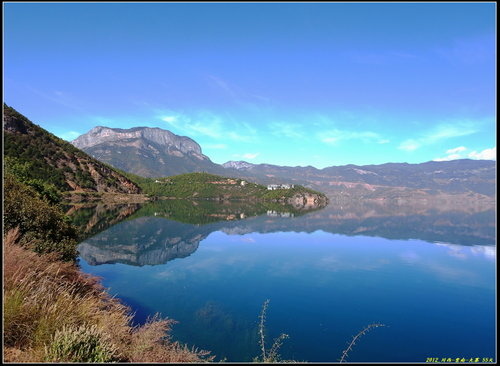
x: 154, y: 152
x: 452, y: 177
x: 46, y: 158
x: 148, y: 152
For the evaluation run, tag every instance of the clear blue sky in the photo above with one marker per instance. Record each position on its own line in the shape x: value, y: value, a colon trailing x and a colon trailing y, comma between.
x: 292, y: 84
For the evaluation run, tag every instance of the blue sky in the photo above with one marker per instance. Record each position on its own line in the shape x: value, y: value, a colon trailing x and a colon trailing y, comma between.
x: 282, y: 83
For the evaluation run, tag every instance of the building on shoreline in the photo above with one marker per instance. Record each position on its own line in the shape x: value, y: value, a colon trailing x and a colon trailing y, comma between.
x: 272, y: 187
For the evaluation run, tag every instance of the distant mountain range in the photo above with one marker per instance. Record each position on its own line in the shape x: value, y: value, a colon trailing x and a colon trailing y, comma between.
x: 154, y: 152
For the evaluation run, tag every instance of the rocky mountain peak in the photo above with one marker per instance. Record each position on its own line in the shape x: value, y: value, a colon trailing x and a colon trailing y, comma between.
x: 101, y: 134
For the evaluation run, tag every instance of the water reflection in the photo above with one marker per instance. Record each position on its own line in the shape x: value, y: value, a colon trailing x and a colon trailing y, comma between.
x: 158, y: 232
x: 328, y: 273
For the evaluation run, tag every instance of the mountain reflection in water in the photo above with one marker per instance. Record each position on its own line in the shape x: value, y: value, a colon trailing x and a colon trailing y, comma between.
x: 158, y: 232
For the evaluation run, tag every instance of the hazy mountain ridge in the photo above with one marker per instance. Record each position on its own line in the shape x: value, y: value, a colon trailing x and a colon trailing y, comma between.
x: 456, y: 176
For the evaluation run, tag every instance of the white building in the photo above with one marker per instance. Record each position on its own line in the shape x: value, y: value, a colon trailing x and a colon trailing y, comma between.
x: 272, y: 187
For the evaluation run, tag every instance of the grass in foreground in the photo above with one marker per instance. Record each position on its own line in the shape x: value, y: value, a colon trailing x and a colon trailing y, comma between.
x: 55, y: 313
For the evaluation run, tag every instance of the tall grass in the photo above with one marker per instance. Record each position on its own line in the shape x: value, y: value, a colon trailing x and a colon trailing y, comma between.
x: 54, y: 312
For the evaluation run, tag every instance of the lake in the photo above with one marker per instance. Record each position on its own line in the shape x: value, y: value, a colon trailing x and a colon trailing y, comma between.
x: 426, y: 272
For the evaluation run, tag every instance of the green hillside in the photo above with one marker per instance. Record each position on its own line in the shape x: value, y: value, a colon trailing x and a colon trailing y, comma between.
x: 210, y: 186
x: 50, y: 164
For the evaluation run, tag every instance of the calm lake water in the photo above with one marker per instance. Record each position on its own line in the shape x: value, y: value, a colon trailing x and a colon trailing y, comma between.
x: 428, y: 274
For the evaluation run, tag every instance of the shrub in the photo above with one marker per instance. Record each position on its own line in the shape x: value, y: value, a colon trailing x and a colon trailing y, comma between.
x: 23, y: 172
x: 85, y: 343
x: 42, y: 225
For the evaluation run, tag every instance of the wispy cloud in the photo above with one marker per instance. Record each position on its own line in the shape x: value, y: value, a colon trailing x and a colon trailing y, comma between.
x: 169, y: 119
x: 250, y: 155
x: 184, y: 123
x: 59, y: 97
x: 439, y: 133
x: 288, y: 130
x: 235, y: 92
x: 456, y: 150
x: 209, y: 124
x: 336, y: 135
x: 223, y: 85
x: 342, y: 125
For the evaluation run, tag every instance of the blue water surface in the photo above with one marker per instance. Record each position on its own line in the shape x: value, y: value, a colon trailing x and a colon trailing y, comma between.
x: 435, y: 299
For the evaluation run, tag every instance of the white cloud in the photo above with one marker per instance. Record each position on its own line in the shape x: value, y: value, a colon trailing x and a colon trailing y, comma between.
x: 458, y: 153
x: 456, y: 150
x: 409, y: 145
x: 450, y: 157
x: 453, y: 154
x: 169, y: 119
x: 489, y: 252
x: 250, y: 156
x: 486, y: 154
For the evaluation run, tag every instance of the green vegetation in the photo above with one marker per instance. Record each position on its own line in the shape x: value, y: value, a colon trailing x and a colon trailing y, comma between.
x: 52, y: 165
x: 210, y: 186
x: 43, y: 226
x: 80, y: 344
x: 23, y: 172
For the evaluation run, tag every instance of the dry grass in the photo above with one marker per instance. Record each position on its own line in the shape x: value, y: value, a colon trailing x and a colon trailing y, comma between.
x: 49, y: 306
